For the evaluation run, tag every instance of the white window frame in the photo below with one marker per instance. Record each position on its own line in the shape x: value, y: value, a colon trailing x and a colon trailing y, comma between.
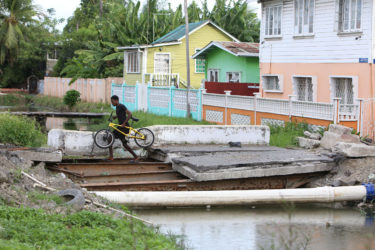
x: 227, y: 76
x: 300, y: 24
x: 341, y: 21
x: 314, y: 82
x: 218, y: 75
x: 195, y: 62
x: 138, y: 67
x: 170, y: 62
x: 281, y: 83
x: 333, y: 87
x: 279, y: 23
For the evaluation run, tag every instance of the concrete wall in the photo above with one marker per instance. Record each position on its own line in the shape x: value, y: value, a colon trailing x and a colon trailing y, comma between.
x: 92, y: 90
x: 82, y: 143
x: 216, y: 134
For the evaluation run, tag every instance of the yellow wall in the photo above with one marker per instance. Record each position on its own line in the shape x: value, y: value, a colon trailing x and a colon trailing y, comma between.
x: 132, y: 79
x: 198, y: 40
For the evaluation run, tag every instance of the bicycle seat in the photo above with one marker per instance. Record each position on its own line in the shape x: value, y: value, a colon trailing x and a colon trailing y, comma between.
x: 135, y: 119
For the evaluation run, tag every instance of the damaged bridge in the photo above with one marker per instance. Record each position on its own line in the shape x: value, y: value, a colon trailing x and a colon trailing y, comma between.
x: 201, y: 168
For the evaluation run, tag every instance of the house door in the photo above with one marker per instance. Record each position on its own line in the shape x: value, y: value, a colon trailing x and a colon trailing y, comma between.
x: 162, y: 63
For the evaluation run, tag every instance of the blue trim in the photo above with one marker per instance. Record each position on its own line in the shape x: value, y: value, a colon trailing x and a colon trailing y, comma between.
x: 370, y: 191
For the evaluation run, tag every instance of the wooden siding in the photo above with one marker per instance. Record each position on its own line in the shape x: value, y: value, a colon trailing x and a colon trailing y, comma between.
x: 326, y: 46
x: 198, y: 40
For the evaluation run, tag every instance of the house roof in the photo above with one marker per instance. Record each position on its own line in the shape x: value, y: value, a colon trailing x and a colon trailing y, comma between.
x: 234, y: 48
x: 178, y: 34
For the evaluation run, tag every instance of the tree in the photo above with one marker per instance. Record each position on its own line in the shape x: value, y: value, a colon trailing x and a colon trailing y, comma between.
x: 15, y: 15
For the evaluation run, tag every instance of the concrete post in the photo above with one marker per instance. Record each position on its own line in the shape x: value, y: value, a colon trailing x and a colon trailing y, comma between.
x: 291, y: 99
x: 336, y: 115
x: 256, y: 95
x: 360, y: 117
x: 204, y: 91
x: 227, y: 93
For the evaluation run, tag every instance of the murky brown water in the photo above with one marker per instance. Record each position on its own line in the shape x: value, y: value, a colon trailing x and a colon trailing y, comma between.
x: 267, y: 227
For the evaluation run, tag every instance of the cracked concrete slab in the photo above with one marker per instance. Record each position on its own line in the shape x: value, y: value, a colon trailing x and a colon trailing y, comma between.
x: 218, y: 162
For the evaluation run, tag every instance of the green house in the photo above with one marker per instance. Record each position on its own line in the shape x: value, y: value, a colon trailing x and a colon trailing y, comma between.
x: 230, y: 62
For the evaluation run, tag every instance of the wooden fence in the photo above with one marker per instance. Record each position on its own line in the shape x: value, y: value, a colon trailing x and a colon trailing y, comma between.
x: 92, y: 90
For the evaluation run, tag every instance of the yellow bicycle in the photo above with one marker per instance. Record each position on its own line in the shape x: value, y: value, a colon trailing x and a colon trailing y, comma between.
x: 105, y: 138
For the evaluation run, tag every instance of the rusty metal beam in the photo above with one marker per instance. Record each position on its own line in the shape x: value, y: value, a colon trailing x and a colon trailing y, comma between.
x: 274, y: 182
x: 137, y: 177
x: 112, y: 168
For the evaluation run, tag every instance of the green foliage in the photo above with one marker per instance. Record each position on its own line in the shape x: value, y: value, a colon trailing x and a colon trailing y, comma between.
x: 26, y: 35
x: 37, y: 197
x: 71, y: 98
x: 20, y: 131
x: 29, y: 228
x: 286, y: 136
x: 8, y: 100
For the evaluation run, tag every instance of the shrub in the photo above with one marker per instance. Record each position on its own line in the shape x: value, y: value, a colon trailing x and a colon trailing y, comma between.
x: 286, y: 136
x: 20, y: 131
x: 71, y: 98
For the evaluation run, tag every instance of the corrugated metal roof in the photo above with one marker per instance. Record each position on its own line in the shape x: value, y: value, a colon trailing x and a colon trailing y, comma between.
x: 235, y: 48
x: 178, y: 33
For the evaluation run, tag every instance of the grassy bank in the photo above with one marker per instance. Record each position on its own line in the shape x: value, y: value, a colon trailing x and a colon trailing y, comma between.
x: 21, y: 131
x: 148, y: 119
x: 58, y: 105
x: 286, y: 136
x: 26, y: 228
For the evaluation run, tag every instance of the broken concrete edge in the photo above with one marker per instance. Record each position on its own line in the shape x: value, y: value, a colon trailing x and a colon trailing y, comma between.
x: 354, y: 150
x: 243, y: 172
x: 308, y: 143
x: 38, y: 155
x: 211, y: 134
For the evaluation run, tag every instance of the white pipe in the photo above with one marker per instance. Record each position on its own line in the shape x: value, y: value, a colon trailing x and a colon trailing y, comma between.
x: 240, y: 197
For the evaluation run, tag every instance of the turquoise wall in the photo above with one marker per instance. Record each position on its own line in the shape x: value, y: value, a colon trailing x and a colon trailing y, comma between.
x: 226, y: 62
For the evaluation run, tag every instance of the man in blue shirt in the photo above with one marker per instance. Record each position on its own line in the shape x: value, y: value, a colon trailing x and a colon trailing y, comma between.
x: 123, y: 115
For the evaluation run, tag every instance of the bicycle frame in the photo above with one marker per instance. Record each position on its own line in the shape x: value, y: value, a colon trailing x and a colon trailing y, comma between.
x: 114, y: 126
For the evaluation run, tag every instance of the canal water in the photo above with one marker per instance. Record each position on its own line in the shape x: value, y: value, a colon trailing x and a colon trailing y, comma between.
x: 287, y: 227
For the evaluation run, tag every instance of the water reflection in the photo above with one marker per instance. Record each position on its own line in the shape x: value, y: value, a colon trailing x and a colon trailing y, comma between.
x: 267, y: 228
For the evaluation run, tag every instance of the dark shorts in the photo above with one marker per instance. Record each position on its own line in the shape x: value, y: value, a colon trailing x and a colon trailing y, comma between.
x: 120, y: 136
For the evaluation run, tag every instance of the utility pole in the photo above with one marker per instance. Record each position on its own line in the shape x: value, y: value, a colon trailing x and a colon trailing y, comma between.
x: 187, y: 60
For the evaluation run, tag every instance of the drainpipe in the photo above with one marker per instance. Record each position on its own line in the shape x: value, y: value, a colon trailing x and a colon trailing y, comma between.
x: 241, y: 197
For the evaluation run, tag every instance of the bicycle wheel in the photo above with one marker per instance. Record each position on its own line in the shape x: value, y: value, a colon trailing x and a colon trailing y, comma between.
x: 104, y: 138
x: 148, y: 140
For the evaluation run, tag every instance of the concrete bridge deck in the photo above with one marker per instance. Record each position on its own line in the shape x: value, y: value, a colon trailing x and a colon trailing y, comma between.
x: 221, y: 162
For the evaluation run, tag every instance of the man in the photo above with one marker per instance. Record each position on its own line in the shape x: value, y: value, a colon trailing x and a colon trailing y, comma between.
x: 123, y: 115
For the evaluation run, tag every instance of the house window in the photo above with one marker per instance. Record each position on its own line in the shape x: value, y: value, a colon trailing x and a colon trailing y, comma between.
x: 162, y: 63
x: 200, y: 64
x: 271, y: 83
x: 350, y: 13
x: 304, y: 16
x: 233, y: 76
x: 213, y: 75
x: 273, y: 21
x: 304, y: 88
x: 343, y: 88
x: 132, y: 62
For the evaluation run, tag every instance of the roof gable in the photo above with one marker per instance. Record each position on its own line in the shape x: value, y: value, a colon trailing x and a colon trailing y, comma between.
x: 179, y: 33
x: 234, y: 48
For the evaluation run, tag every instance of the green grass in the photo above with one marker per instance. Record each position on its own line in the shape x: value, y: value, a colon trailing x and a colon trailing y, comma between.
x: 37, y: 197
x: 9, y: 100
x: 58, y: 105
x: 148, y: 119
x: 286, y: 136
x: 25, y: 228
x: 21, y: 131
